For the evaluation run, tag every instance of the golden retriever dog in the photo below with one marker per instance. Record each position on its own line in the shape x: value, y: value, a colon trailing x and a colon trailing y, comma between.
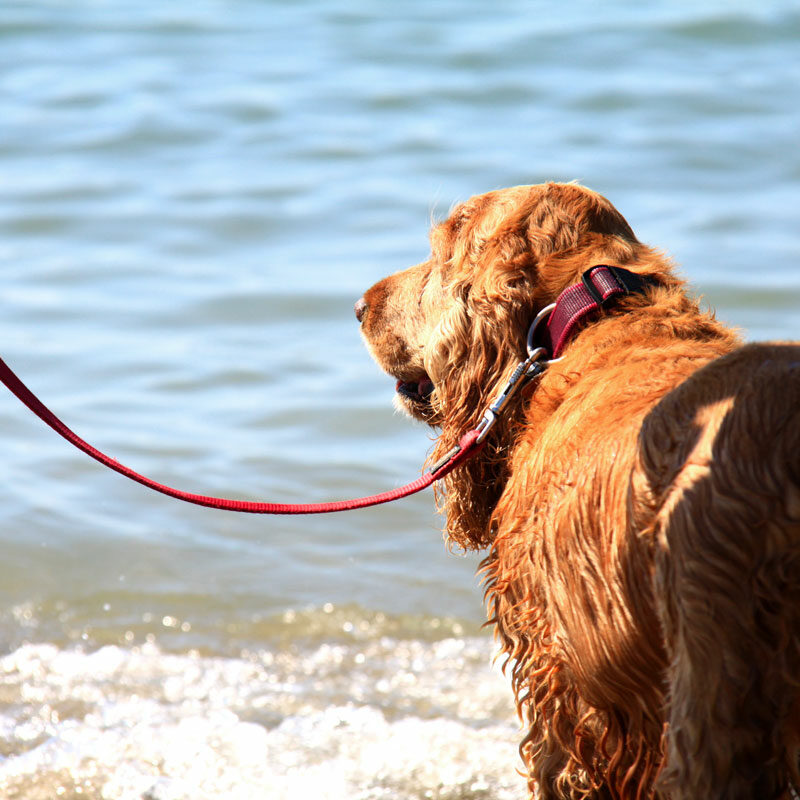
x: 639, y: 499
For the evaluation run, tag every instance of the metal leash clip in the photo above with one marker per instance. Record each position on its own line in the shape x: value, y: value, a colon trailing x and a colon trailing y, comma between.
x: 525, y: 371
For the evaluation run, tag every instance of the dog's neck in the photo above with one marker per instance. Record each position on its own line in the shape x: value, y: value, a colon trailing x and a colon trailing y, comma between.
x: 484, y: 476
x: 594, y: 344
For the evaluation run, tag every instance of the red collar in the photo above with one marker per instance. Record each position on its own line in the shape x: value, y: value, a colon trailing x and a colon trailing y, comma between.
x: 598, y: 289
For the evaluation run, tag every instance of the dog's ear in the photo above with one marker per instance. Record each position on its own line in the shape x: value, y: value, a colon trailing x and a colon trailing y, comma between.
x: 479, y: 339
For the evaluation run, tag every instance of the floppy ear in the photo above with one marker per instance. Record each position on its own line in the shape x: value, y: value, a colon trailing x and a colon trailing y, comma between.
x: 478, y: 341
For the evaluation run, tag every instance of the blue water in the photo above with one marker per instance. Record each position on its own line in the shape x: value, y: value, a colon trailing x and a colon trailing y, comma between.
x: 192, y: 197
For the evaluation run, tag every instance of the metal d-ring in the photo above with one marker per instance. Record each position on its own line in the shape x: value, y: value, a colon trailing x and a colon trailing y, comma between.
x: 537, y: 321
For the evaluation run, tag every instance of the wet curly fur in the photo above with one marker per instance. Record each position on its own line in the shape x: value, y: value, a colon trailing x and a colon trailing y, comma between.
x: 641, y: 504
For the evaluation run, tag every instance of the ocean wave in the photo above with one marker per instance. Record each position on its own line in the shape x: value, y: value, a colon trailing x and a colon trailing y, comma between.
x: 384, y: 718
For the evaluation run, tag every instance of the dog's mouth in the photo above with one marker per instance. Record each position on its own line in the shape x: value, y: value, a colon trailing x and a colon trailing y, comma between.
x: 416, y: 395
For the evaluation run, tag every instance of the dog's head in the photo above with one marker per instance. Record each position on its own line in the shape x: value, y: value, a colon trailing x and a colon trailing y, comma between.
x: 450, y: 329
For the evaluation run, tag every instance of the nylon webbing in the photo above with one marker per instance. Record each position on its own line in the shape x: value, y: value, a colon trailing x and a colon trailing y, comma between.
x: 468, y: 447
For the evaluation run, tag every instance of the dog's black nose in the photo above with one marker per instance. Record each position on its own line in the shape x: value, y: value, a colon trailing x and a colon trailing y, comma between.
x: 360, y: 308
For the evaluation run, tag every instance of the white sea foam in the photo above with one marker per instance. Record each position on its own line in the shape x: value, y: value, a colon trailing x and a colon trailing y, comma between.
x: 377, y: 719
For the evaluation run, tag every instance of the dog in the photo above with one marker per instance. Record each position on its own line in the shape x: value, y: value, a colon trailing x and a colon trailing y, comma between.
x: 639, y: 498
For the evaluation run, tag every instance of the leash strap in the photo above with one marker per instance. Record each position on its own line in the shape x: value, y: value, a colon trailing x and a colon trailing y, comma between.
x: 468, y: 446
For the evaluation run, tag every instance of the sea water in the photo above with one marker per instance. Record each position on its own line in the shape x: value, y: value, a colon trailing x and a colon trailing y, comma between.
x: 192, y: 197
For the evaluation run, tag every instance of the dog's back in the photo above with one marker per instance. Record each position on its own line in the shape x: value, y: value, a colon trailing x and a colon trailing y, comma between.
x: 721, y: 455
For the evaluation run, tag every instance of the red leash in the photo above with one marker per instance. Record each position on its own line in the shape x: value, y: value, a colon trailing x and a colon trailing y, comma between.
x: 468, y: 446
x: 599, y: 285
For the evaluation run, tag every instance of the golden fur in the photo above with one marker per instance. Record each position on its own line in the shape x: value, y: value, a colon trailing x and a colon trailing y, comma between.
x: 641, y: 503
